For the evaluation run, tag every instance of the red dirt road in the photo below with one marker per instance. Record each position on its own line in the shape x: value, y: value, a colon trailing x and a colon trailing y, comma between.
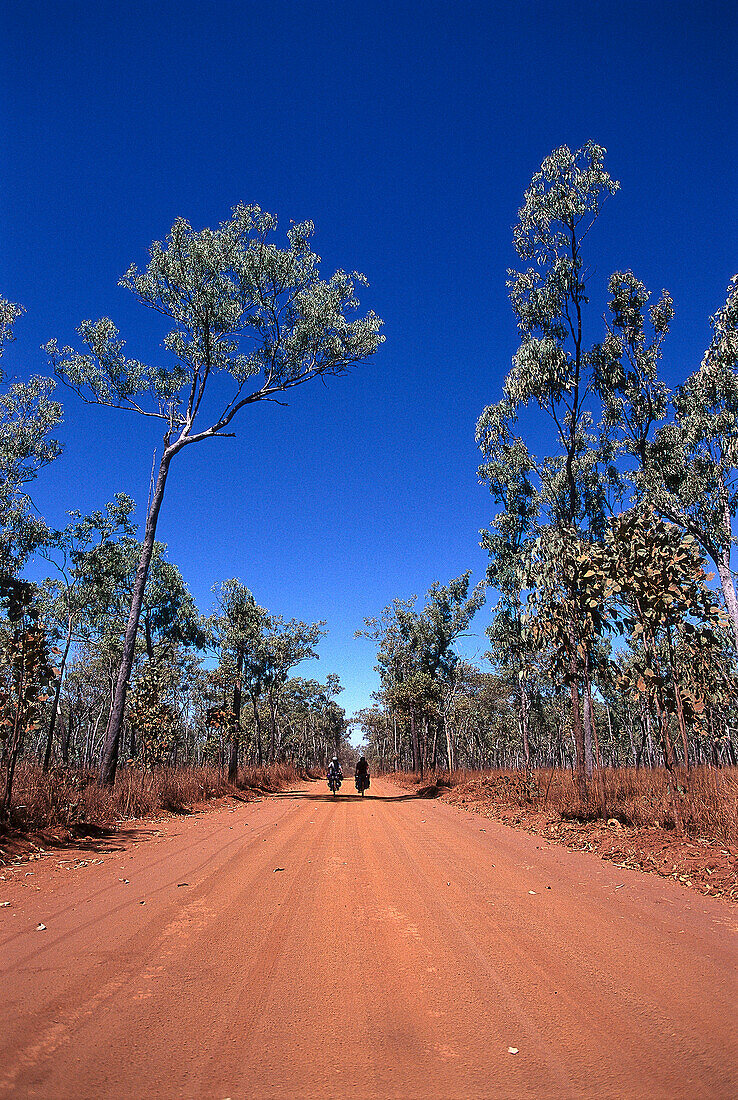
x: 392, y: 947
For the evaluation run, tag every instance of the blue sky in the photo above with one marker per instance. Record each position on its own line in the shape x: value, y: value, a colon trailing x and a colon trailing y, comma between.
x: 407, y: 133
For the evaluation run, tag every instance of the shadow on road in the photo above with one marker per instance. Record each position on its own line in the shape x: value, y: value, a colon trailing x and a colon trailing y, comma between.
x: 94, y: 839
x: 320, y: 796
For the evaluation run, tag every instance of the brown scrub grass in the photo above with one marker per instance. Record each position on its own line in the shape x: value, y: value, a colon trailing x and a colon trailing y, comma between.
x: 638, y: 798
x: 72, y: 798
x: 637, y: 830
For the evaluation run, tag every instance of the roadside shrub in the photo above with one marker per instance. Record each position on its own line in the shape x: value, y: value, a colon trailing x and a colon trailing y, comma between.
x: 640, y: 798
x: 73, y: 799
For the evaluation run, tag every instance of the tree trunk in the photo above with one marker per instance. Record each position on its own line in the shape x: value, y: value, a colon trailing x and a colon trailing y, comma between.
x: 524, y: 720
x: 449, y: 746
x: 587, y: 724
x: 726, y: 580
x: 66, y: 738
x: 678, y: 700
x: 233, y: 758
x: 593, y: 730
x: 257, y: 724
x: 662, y: 716
x: 55, y: 704
x: 577, y: 731
x: 15, y: 741
x: 109, y: 761
x: 236, y: 738
x: 87, y: 758
x: 272, y: 728
x: 434, y: 750
x: 414, y: 745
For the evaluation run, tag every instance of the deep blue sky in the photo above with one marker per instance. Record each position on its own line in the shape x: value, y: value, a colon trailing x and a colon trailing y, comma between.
x: 407, y: 133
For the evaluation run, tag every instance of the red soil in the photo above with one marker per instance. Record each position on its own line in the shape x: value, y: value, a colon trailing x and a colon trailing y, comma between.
x: 305, y: 946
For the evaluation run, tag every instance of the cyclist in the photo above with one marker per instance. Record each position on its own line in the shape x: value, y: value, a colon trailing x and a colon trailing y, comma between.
x: 334, y: 770
x: 361, y: 775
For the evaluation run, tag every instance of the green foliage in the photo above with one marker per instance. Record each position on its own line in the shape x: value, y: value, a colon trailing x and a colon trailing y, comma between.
x: 152, y: 714
x: 27, y: 675
x: 237, y: 304
x: 27, y: 416
x: 415, y: 655
x: 257, y: 651
x: 77, y: 554
x: 689, y: 469
x: 9, y: 314
x: 417, y: 647
x: 634, y: 398
x: 661, y: 583
x: 107, y: 574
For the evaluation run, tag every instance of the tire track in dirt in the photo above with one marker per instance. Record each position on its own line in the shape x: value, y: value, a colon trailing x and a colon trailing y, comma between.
x: 593, y: 960
x: 138, y: 959
x: 355, y: 970
x: 517, y: 961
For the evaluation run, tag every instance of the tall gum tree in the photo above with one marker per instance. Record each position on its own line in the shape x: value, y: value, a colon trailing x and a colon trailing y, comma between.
x: 66, y: 597
x: 239, y: 306
x: 553, y: 369
x: 238, y: 632
x: 415, y: 649
x: 692, y: 473
x: 286, y: 645
x: 27, y: 416
x: 508, y: 541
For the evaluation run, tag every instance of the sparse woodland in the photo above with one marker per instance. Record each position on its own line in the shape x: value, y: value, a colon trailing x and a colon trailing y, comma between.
x: 614, y: 619
x: 109, y: 660
x: 614, y: 622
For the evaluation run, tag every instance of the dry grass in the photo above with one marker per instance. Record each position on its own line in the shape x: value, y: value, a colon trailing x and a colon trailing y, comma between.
x: 71, y: 798
x: 640, y: 799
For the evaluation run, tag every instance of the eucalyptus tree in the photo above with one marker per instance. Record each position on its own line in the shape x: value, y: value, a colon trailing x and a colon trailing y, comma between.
x: 329, y: 719
x: 286, y: 645
x: 312, y: 725
x: 168, y: 611
x: 239, y: 306
x: 446, y: 616
x: 661, y: 584
x: 564, y: 491
x: 238, y: 630
x: 552, y: 368
x: 415, y: 650
x: 509, y: 539
x: 66, y: 597
x: 388, y: 630
x: 86, y: 697
x: 380, y: 735
x: 27, y: 416
x: 694, y: 461
x: 299, y: 722
x: 635, y: 400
